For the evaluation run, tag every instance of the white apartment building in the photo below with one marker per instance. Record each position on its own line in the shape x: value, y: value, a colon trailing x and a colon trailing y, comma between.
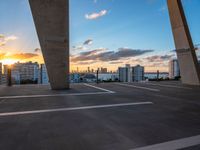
x: 25, y: 71
x: 137, y: 73
x: 131, y: 74
x: 174, y: 70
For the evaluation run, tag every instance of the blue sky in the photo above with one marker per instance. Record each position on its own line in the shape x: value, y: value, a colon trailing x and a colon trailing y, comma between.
x: 123, y: 24
x: 128, y: 23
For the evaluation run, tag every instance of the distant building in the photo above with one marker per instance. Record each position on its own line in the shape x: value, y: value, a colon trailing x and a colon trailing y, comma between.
x: 108, y: 77
x: 89, y: 78
x: 153, y: 75
x: 123, y: 74
x: 88, y: 70
x: 137, y: 73
x: 43, y: 76
x: 5, y: 69
x: 5, y: 73
x: 15, y: 75
x: 75, y: 78
x: 3, y: 79
x: 131, y: 74
x: 103, y: 70
x: 174, y: 70
x: 24, y: 72
x: 129, y: 71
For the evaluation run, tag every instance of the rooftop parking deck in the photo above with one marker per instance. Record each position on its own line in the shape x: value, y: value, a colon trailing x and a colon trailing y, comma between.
x: 107, y: 116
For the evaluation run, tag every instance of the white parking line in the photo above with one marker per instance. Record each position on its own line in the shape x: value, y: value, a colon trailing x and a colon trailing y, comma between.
x: 99, y: 88
x: 53, y: 95
x: 105, y: 91
x: 167, y: 85
x: 139, y: 87
x: 174, y: 145
x: 72, y: 109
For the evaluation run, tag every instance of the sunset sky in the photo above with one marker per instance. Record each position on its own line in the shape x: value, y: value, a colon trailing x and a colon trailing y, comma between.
x: 103, y: 33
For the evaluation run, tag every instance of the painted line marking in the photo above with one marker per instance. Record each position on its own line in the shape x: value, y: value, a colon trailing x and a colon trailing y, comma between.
x: 167, y: 85
x: 139, y: 87
x: 105, y: 91
x: 53, y: 95
x: 102, y: 89
x: 174, y: 145
x: 73, y: 109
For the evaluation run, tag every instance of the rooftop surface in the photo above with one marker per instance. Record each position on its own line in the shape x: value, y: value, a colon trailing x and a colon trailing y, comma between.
x: 107, y: 116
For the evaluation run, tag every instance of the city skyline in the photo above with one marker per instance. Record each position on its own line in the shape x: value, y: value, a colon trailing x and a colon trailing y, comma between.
x: 98, y: 28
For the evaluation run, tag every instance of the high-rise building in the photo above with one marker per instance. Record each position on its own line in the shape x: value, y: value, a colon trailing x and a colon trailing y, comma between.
x: 15, y: 74
x: 104, y: 70
x: 5, y: 69
x: 174, y: 70
x: 131, y: 74
x: 25, y: 71
x: 123, y: 74
x: 137, y: 73
x: 3, y: 79
x: 43, y: 76
x: 88, y: 70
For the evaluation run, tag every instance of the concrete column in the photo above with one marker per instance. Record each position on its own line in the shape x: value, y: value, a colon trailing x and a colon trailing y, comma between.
x: 51, y: 19
x: 187, y: 58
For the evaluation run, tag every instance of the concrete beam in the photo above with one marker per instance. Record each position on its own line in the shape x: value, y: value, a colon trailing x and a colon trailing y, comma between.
x: 187, y: 58
x: 51, y: 19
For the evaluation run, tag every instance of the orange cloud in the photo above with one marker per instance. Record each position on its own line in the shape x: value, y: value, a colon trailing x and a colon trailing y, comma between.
x: 2, y: 56
x: 22, y: 56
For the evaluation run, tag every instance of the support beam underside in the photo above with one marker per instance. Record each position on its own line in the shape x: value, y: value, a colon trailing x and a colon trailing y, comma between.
x: 51, y: 19
x: 190, y: 72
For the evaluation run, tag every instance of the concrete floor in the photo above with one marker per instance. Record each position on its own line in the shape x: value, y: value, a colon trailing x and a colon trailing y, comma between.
x: 107, y: 116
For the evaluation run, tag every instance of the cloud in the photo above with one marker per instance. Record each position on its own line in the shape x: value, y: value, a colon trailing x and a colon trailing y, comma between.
x: 5, y: 39
x: 2, y: 55
x: 154, y: 61
x: 93, y: 16
x: 23, y: 56
x: 88, y: 42
x: 83, y: 63
x: 116, y: 62
x: 79, y: 47
x: 18, y: 56
x: 84, y: 45
x: 37, y: 50
x: 159, y: 58
x: 102, y: 55
x: 162, y: 9
x: 96, y: 1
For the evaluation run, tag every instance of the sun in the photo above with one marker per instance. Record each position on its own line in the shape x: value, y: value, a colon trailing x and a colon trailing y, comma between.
x: 9, y: 61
